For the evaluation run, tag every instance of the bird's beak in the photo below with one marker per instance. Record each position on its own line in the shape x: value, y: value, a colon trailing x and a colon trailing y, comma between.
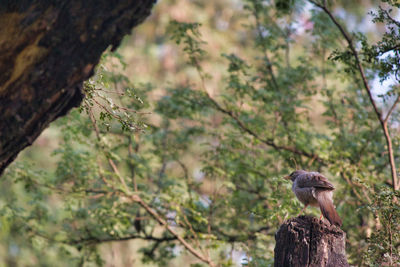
x: 287, y: 177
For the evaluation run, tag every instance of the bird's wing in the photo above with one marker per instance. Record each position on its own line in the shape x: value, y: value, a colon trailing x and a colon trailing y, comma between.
x: 314, y: 179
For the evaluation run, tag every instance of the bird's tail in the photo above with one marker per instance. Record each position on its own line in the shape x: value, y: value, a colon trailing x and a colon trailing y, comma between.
x: 328, y: 210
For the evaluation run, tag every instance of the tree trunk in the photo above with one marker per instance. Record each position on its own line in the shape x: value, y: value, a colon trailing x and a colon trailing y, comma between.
x: 307, y: 241
x: 47, y: 49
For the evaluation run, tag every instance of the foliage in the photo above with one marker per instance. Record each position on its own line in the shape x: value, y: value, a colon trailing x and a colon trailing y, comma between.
x: 193, y: 175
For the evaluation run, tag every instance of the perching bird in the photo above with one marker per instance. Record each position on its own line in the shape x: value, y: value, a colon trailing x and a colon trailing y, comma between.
x: 312, y: 188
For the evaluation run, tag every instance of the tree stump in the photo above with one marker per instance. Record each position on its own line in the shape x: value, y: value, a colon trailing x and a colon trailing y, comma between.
x: 308, y: 241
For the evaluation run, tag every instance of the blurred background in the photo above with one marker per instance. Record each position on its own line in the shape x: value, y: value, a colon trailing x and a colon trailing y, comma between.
x: 202, y: 110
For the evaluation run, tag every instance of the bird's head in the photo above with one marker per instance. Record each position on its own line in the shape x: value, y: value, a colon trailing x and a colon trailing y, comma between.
x: 294, y: 175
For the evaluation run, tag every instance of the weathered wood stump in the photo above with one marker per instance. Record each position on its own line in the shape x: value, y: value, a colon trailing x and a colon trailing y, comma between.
x: 308, y: 241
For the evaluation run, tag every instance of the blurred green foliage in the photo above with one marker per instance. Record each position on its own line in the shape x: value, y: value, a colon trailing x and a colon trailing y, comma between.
x: 231, y: 97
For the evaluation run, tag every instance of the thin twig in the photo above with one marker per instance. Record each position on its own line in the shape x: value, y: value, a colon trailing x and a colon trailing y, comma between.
x: 269, y: 63
x: 187, y: 179
x: 136, y: 198
x: 395, y: 22
x: 352, y: 186
x: 392, y: 109
x: 93, y: 120
x: 95, y: 240
x: 118, y: 107
x: 116, y: 171
x: 132, y: 165
x: 160, y: 220
x: 269, y: 142
x: 195, y: 236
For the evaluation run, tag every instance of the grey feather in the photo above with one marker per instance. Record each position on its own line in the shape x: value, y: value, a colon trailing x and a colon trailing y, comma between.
x: 312, y: 188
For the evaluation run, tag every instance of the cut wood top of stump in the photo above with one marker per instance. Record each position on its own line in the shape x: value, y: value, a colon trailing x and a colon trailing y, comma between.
x: 308, y: 241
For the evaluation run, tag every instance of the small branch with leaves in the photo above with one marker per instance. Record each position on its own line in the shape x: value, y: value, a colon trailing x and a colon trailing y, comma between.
x: 382, y: 120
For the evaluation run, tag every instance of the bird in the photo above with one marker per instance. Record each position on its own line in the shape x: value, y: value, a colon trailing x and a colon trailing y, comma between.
x: 314, y: 189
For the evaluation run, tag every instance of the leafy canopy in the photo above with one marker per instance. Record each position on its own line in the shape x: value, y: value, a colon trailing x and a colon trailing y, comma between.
x: 191, y: 171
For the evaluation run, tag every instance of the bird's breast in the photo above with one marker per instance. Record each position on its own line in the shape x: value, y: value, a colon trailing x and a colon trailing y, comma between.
x: 305, y: 195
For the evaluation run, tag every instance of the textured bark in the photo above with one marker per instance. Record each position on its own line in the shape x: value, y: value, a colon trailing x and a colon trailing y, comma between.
x: 47, y: 49
x: 307, y: 241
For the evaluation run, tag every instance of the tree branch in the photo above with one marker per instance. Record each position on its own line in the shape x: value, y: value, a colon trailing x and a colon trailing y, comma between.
x: 355, y: 54
x: 136, y: 198
x: 161, y: 221
x: 269, y: 142
x: 392, y: 20
x: 360, y: 68
x: 95, y: 240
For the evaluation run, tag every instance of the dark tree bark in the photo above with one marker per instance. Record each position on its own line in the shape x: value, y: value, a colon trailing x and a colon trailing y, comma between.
x: 47, y: 49
x: 307, y: 241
